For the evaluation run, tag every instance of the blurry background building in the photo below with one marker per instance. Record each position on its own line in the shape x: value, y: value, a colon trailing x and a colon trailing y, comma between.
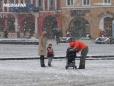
x: 84, y: 17
x: 76, y: 17
x: 30, y: 20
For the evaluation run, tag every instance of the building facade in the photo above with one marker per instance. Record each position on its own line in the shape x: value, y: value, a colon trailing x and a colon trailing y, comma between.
x: 84, y: 17
x: 17, y: 20
x: 30, y: 20
x: 77, y: 17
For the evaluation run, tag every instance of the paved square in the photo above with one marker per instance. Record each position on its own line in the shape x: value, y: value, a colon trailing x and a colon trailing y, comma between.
x: 29, y: 73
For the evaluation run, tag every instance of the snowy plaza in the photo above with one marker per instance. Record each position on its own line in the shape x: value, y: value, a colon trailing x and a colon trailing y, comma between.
x: 30, y: 29
x: 29, y: 73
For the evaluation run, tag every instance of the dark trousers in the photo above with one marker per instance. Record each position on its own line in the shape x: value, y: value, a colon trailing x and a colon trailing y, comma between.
x: 42, y: 63
x: 83, y: 57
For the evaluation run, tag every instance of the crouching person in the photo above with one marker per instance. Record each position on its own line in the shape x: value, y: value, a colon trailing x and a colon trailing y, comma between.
x: 50, y: 54
x: 83, y: 49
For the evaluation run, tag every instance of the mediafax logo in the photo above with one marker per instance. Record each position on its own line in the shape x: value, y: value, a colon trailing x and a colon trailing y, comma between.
x: 14, y: 5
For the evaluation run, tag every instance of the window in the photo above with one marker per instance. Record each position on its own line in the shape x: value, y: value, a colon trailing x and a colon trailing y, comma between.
x: 40, y: 4
x: 0, y: 6
x: 11, y: 1
x: 1, y: 23
x: 58, y: 4
x: 69, y: 2
x: 106, y: 2
x: 52, y: 4
x: 85, y: 2
x: 16, y: 1
x: 46, y: 4
x: 10, y: 22
x: 27, y: 1
x: 21, y: 1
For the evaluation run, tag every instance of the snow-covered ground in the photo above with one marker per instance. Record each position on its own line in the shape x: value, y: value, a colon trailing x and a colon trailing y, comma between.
x: 18, y: 51
x: 29, y: 73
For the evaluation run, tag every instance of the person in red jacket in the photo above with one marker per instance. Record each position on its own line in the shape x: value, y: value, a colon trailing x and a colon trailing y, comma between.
x: 50, y: 54
x: 83, y: 48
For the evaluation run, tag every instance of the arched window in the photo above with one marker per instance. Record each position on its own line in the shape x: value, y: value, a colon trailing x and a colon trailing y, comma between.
x: 79, y: 27
x: 11, y: 25
x: 50, y: 25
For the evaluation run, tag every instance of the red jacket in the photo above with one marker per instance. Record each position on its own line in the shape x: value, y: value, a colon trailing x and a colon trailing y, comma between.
x: 78, y: 45
x: 50, y: 52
